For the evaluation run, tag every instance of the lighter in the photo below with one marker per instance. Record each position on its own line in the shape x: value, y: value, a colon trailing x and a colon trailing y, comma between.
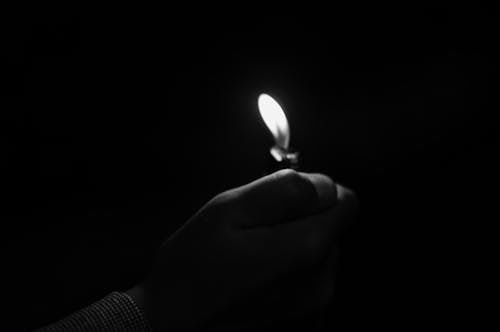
x: 281, y: 156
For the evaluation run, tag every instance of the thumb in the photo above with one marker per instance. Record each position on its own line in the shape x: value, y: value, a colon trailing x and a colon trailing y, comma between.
x: 283, y: 197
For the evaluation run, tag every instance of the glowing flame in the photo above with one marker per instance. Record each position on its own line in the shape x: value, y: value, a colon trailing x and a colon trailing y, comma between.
x: 275, y: 120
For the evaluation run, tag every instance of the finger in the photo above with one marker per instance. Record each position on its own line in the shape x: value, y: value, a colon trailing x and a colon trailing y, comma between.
x: 315, y: 289
x: 323, y: 282
x: 283, y: 197
x: 304, y: 294
x: 287, y: 301
x: 339, y: 218
x: 312, y: 237
x: 321, y: 294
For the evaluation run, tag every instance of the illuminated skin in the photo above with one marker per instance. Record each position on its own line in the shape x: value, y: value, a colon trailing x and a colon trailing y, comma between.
x: 264, y: 252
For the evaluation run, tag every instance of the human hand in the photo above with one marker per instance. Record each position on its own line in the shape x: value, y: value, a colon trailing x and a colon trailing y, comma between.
x: 263, y: 252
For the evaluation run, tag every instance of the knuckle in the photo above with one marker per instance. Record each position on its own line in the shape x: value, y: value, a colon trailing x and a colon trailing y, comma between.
x: 222, y: 202
x: 224, y: 199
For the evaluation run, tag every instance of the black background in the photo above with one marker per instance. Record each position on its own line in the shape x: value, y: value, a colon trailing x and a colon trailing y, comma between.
x: 117, y: 124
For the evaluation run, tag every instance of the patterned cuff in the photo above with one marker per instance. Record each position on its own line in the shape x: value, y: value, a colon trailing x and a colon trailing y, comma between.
x: 115, y: 312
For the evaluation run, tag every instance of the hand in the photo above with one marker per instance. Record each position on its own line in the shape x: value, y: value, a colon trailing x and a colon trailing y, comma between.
x: 263, y: 251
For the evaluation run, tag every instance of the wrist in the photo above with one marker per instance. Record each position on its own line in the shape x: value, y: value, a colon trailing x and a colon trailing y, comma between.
x: 162, y: 314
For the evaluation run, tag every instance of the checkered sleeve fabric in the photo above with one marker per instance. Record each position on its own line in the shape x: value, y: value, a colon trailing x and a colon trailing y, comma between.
x: 115, y: 312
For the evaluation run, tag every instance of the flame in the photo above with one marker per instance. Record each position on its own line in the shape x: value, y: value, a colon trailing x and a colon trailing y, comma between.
x: 275, y: 119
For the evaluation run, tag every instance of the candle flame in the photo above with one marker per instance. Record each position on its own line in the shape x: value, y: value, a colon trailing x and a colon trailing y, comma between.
x: 275, y: 119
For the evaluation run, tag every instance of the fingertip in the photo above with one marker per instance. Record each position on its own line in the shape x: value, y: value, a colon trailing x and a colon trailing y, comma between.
x: 345, y: 194
x: 348, y: 199
x: 325, y: 189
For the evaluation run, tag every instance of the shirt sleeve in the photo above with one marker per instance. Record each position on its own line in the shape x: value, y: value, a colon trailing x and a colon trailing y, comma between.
x: 115, y: 312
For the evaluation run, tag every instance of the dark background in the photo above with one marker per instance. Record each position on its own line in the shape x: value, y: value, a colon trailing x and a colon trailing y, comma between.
x: 117, y: 124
